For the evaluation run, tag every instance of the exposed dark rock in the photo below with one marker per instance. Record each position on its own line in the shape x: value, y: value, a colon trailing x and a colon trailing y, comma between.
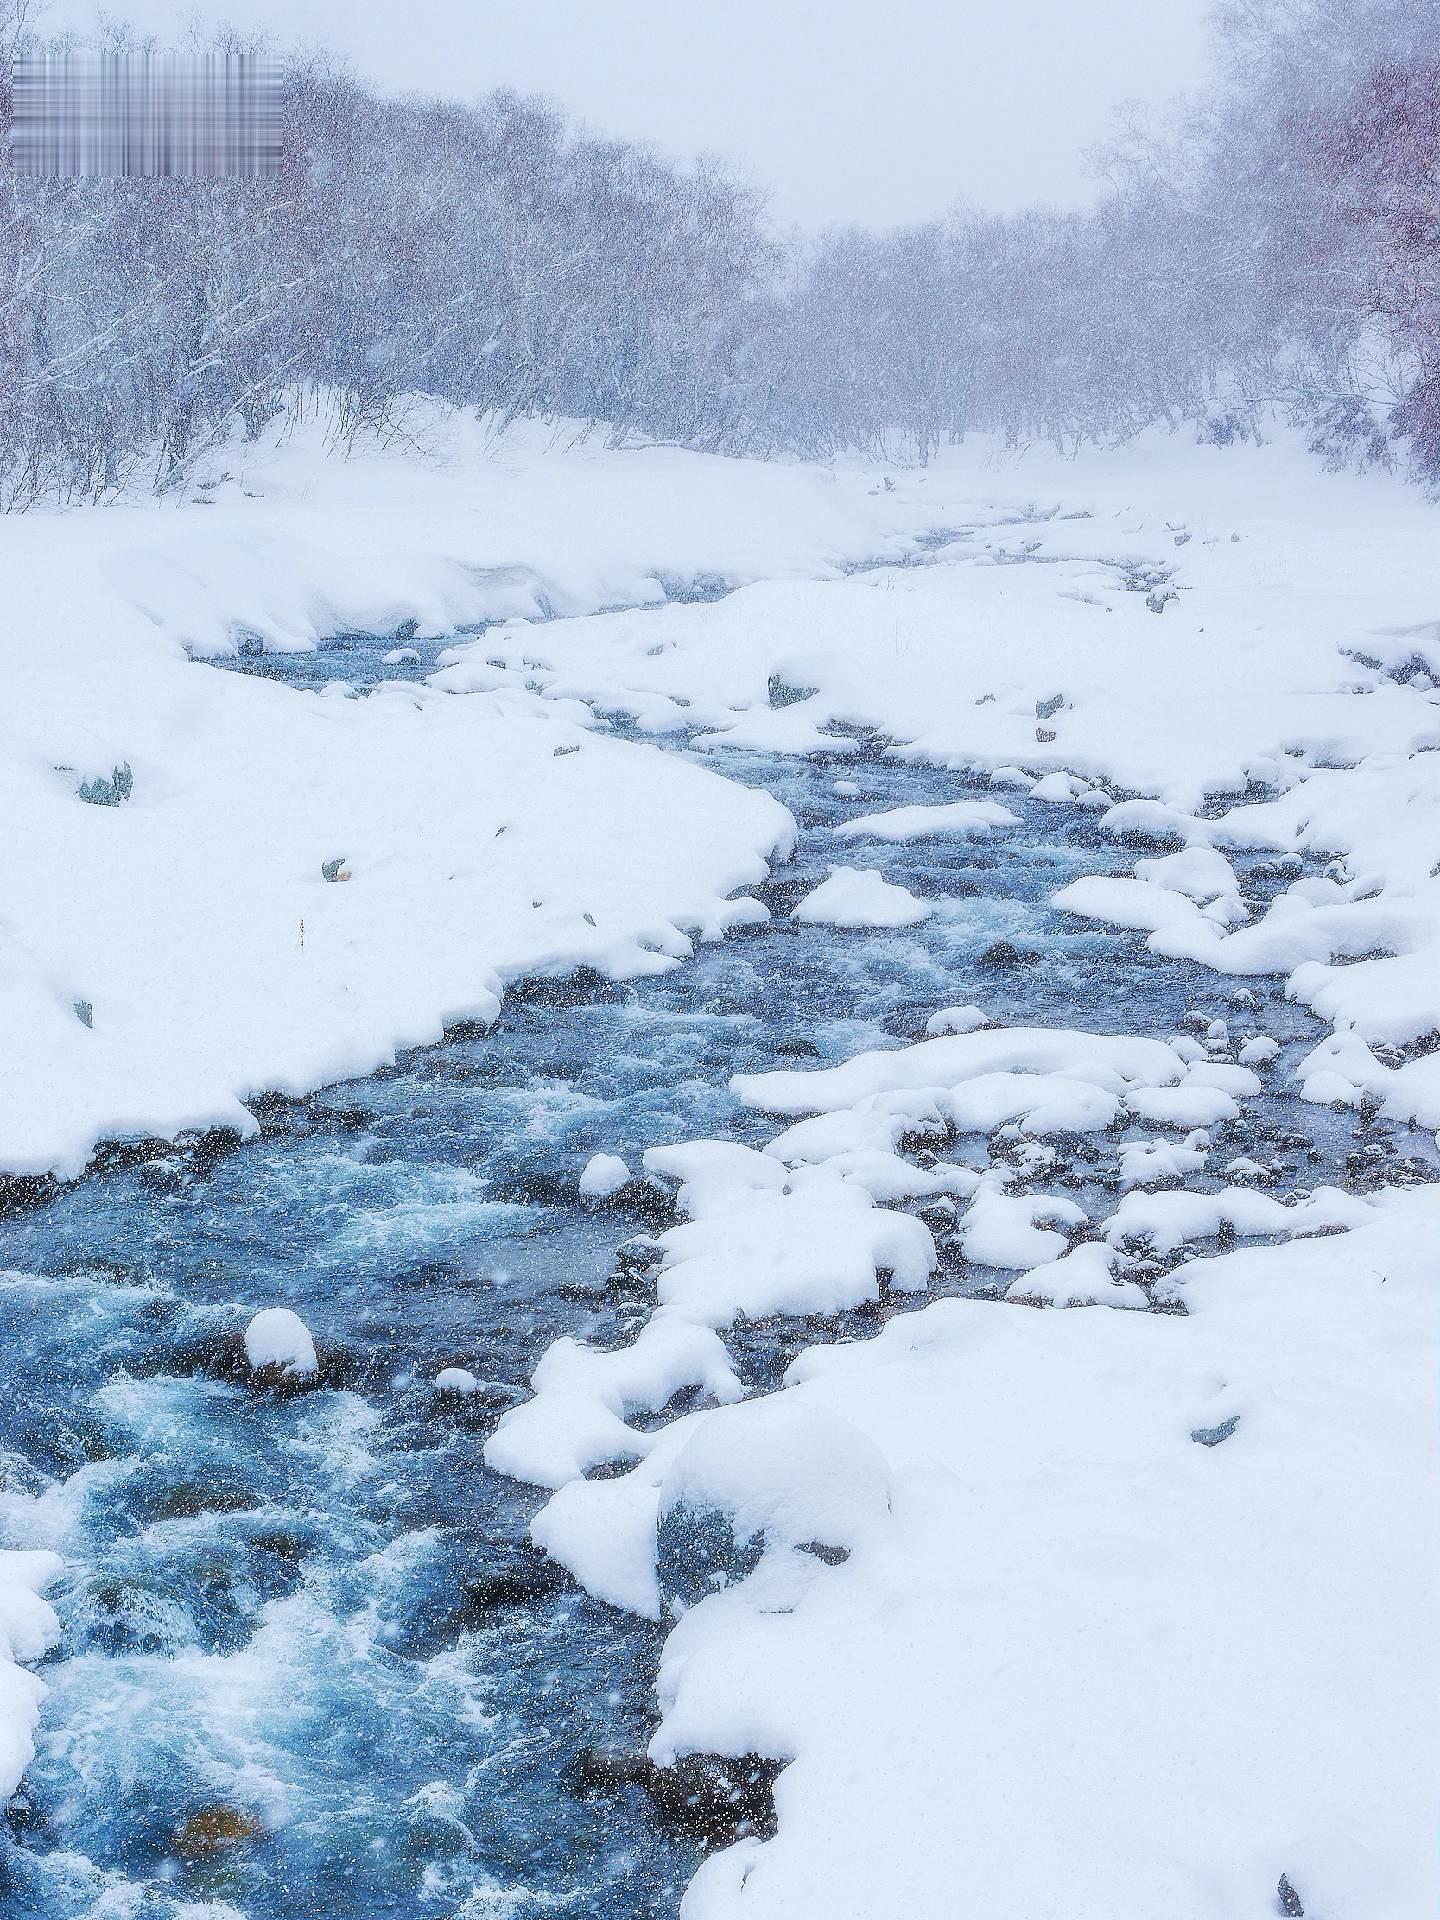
x: 583, y: 987
x: 637, y: 1256
x: 20, y: 1191
x: 831, y: 1556
x: 938, y: 1214
x: 643, y: 1199
x: 213, y: 1831
x: 1287, y: 1900
x: 190, y: 1498
x: 518, y: 1581
x: 780, y: 693
x: 593, y: 1297
x: 226, y: 1359
x: 1212, y: 1436
x: 1001, y: 953
x: 717, y: 1799
x: 782, y: 893
x: 169, y: 1174
x: 697, y: 1553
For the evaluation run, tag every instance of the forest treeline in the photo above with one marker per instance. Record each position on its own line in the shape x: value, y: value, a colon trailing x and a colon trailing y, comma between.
x: 1275, y: 244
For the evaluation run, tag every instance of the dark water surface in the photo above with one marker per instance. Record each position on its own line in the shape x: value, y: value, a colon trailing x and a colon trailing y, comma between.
x: 314, y: 1618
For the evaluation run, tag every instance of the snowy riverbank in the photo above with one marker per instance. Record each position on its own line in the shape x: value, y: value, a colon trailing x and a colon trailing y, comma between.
x: 1049, y: 1657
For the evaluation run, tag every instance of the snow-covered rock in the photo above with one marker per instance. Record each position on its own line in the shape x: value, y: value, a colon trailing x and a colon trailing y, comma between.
x: 970, y: 818
x: 28, y: 1629
x: 778, y: 1474
x: 456, y: 1380
x: 602, y: 1176
x: 859, y: 897
x: 278, y: 1337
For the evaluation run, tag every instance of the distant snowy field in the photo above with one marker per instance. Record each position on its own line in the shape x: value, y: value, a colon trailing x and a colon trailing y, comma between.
x: 1074, y: 1663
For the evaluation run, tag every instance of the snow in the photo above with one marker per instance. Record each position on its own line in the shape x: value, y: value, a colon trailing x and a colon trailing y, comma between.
x: 28, y: 1629
x: 1109, y: 1063
x: 454, y: 816
x: 602, y: 1176
x: 164, y: 959
x: 456, y: 1380
x: 954, y: 1020
x: 1066, y: 1677
x: 856, y: 897
x: 784, y: 1472
x: 1270, y: 667
x: 278, y: 1337
x: 971, y: 818
x: 577, y: 1419
x: 1064, y: 1657
x: 1021, y: 1534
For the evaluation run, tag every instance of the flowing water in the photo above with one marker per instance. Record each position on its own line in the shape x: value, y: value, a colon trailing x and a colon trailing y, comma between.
x: 309, y: 1666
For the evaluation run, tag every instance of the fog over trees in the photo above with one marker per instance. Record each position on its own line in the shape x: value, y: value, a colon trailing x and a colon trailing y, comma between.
x: 1274, y: 245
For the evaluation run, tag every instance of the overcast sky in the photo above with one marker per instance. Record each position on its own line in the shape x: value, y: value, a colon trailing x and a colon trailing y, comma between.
x: 868, y: 110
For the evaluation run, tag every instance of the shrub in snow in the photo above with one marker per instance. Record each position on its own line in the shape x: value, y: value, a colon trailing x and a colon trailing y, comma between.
x: 276, y: 1337
x: 109, y: 792
x: 769, y: 1473
x: 334, y: 869
x: 85, y: 1013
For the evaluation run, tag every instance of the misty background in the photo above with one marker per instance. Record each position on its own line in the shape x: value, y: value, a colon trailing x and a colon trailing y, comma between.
x: 804, y: 234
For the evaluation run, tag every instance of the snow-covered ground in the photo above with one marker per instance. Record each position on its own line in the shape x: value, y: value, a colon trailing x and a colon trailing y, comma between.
x: 166, y: 956
x: 1118, y: 1612
x: 1131, y: 1608
x: 1295, y: 650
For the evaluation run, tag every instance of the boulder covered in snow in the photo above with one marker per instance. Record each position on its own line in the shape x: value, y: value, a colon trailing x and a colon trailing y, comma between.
x: 278, y: 1337
x: 603, y: 1176
x: 858, y: 897
x: 775, y: 1472
x: 456, y: 1380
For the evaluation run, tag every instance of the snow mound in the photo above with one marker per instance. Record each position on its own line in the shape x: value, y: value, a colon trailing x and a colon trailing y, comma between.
x: 603, y: 1175
x: 278, y: 1337
x: 28, y: 1629
x: 972, y: 818
x: 780, y: 1473
x: 1114, y: 1063
x: 858, y: 897
x: 1063, y: 1555
x: 456, y: 1380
